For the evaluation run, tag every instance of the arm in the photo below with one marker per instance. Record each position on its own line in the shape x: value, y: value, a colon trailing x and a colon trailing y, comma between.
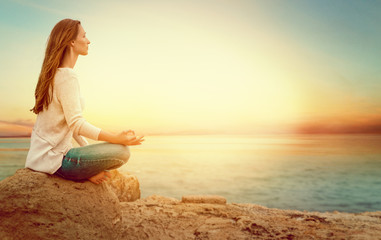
x: 69, y: 96
x: 80, y: 140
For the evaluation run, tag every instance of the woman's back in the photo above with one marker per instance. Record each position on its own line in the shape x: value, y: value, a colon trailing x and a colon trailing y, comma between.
x: 55, y: 126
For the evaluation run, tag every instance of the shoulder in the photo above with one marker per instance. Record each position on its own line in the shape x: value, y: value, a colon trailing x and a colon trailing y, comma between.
x: 65, y: 75
x: 68, y: 72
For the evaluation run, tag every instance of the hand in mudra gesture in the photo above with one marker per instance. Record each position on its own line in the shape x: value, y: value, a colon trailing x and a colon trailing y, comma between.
x: 129, y: 138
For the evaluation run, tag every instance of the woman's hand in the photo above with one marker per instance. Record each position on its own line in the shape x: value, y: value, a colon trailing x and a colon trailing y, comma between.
x: 125, y: 138
x: 129, y: 138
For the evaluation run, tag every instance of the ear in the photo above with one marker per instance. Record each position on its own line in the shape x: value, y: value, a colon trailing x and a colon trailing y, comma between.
x: 72, y: 43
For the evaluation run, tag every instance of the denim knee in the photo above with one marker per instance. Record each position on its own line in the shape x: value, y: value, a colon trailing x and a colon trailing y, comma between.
x: 125, y: 154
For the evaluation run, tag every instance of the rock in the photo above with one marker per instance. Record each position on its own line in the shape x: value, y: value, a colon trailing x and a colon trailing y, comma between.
x: 156, y: 217
x: 204, y: 199
x: 156, y: 199
x: 126, y: 187
x: 36, y: 205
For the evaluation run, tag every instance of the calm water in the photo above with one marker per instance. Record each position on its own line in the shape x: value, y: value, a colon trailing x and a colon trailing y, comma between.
x: 304, y: 172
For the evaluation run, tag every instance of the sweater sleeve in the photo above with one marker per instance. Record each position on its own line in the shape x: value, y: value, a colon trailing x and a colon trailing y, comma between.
x: 68, y: 95
x: 80, y: 140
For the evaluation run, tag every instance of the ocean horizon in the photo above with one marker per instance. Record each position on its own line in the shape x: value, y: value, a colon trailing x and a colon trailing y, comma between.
x: 300, y: 171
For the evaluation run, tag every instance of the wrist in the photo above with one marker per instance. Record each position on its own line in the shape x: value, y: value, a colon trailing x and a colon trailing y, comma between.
x: 108, y: 137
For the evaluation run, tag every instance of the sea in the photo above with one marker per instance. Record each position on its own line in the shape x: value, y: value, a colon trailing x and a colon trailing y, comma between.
x: 301, y: 172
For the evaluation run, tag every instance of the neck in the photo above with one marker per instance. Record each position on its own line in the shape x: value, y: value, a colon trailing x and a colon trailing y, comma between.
x: 69, y: 60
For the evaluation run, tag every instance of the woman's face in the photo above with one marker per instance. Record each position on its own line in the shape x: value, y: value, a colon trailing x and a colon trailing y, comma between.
x: 81, y: 43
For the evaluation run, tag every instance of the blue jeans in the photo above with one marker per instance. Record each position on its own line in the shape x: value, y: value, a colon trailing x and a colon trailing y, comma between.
x: 84, y: 162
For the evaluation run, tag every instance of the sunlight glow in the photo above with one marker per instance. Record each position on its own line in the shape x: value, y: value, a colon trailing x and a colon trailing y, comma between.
x: 192, y: 66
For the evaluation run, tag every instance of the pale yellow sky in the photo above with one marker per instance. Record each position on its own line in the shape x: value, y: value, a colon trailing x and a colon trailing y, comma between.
x: 183, y: 66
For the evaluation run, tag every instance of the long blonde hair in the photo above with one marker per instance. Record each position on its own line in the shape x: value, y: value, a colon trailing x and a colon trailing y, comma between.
x: 58, y: 43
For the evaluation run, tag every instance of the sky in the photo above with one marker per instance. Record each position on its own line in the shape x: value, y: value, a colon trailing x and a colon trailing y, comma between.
x: 205, y: 66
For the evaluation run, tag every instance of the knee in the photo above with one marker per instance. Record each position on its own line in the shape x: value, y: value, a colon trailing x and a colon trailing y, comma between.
x: 125, y: 154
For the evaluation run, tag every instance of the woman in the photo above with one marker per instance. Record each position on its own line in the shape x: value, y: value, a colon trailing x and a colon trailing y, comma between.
x: 59, y: 106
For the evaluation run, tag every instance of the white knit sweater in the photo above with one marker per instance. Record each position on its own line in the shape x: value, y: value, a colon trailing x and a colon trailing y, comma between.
x: 55, y: 126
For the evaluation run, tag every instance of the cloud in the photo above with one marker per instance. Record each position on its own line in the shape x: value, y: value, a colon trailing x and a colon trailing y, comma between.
x: 41, y: 7
x: 19, y: 128
x: 360, y: 126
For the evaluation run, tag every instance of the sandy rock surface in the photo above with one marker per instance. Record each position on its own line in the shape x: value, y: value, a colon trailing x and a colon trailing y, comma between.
x: 36, y: 205
x: 203, y: 199
x: 41, y: 206
x: 159, y: 217
x: 126, y: 187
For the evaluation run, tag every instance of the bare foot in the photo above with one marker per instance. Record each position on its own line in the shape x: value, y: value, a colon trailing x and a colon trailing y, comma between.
x: 100, y: 177
x: 107, y: 173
